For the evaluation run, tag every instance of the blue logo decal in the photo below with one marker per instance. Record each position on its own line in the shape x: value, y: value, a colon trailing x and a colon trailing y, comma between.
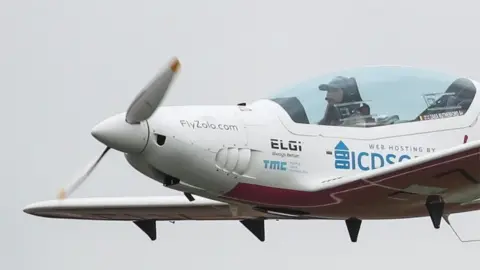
x: 365, y: 161
x: 275, y: 165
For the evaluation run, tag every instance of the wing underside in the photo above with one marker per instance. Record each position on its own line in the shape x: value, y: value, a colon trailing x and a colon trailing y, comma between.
x: 171, y: 208
x: 146, y: 211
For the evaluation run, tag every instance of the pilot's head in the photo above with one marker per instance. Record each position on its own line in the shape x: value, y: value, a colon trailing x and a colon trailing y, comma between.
x: 335, y: 89
x: 341, y: 90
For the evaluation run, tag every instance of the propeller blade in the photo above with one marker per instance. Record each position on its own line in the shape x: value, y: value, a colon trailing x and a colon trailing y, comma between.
x: 147, y: 101
x: 66, y: 192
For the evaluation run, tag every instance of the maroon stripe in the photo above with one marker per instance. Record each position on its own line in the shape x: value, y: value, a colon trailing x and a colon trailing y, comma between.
x: 264, y: 195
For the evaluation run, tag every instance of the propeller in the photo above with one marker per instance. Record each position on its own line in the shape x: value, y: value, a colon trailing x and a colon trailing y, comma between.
x: 64, y: 192
x: 123, y: 134
x: 148, y: 100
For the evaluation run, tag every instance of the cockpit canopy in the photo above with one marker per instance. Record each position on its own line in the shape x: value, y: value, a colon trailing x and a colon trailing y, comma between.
x: 377, y: 96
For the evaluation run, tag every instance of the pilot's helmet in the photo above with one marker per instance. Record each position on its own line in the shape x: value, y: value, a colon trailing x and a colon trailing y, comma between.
x: 338, y: 82
x: 348, y: 85
x: 465, y: 88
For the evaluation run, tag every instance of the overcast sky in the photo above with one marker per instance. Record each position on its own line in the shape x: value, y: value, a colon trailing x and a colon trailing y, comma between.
x: 66, y: 65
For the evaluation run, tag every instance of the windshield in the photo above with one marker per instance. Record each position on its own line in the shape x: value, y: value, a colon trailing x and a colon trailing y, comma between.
x: 375, y: 96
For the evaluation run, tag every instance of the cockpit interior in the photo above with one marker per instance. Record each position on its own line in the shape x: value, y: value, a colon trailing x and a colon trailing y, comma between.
x: 377, y: 96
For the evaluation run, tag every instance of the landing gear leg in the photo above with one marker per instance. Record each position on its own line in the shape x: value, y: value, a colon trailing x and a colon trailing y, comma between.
x: 435, y: 206
x: 189, y: 196
x: 353, y: 226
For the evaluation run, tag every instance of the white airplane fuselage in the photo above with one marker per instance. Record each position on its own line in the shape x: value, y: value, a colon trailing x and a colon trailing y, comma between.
x: 214, y: 151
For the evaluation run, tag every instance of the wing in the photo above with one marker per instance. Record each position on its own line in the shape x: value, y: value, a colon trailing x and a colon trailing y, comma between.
x: 171, y: 208
x: 145, y: 211
x: 436, y: 184
x: 451, y: 173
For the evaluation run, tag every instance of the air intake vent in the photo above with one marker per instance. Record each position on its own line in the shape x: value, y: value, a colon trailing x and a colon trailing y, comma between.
x: 160, y: 139
x: 234, y: 160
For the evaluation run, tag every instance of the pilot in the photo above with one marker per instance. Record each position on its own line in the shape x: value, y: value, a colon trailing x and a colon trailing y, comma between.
x: 339, y: 90
x: 461, y: 93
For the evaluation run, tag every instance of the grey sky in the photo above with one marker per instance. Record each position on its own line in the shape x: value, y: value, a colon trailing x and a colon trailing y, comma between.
x: 66, y: 65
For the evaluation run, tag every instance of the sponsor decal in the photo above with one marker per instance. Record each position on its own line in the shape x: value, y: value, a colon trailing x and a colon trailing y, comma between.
x: 400, y: 148
x: 434, y: 116
x: 289, y: 148
x: 294, y: 166
x: 197, y: 124
x: 277, y: 165
x: 346, y: 159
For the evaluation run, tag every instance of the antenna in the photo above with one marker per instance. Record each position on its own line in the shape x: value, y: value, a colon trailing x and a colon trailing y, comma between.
x: 445, y: 217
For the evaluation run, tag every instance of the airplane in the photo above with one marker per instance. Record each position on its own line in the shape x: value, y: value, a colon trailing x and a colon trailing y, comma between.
x: 366, y: 143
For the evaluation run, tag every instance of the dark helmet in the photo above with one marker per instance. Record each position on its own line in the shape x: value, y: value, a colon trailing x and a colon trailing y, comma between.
x: 348, y: 85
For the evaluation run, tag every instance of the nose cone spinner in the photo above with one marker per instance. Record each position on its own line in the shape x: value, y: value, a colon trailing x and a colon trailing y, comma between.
x: 116, y: 133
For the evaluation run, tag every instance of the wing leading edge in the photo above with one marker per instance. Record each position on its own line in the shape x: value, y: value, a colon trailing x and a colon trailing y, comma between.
x: 170, y: 208
x: 145, y: 211
x: 463, y: 157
